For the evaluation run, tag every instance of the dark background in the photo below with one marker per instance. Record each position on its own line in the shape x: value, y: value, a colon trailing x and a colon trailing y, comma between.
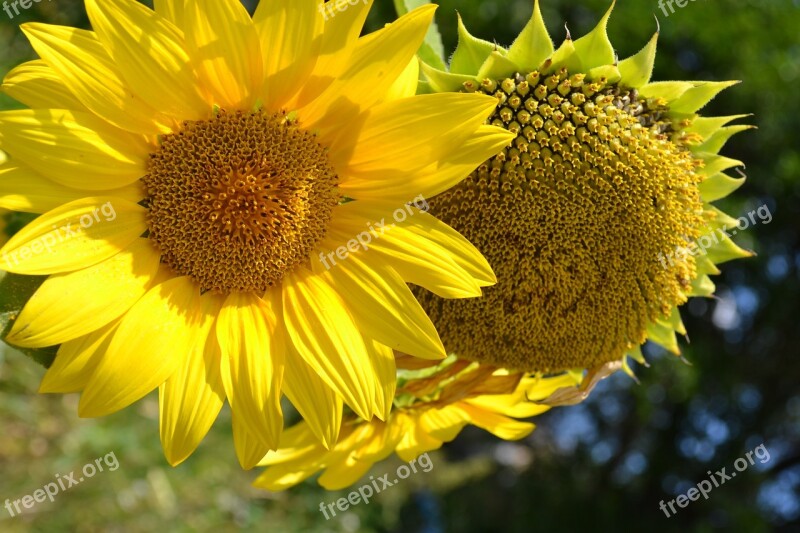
x: 603, y: 465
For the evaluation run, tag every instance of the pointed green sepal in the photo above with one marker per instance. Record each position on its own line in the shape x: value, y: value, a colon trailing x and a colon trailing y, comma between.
x: 470, y: 53
x: 718, y: 139
x: 726, y: 250
x: 668, y: 90
x: 705, y: 266
x: 719, y: 186
x: 609, y: 73
x: 441, y: 81
x: 565, y: 56
x: 497, y: 67
x: 716, y: 163
x: 707, y: 126
x: 637, y: 70
x: 663, y: 335
x: 702, y: 286
x: 698, y: 96
x: 534, y: 45
x: 594, y: 48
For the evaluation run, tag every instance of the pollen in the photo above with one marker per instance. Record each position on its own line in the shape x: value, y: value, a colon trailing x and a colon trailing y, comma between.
x: 237, y: 201
x: 576, y: 217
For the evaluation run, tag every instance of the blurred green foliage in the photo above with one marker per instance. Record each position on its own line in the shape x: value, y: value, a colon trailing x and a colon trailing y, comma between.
x: 604, y: 465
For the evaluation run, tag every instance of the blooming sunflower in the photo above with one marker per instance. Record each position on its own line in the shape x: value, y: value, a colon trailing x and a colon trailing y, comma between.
x: 434, y: 402
x: 195, y: 166
x: 587, y: 215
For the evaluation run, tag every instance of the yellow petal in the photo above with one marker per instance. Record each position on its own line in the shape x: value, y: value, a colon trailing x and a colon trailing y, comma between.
x: 90, y: 74
x: 406, y: 85
x: 172, y: 10
x: 382, y: 358
x: 434, y: 178
x: 317, y: 403
x: 402, y: 136
x: 416, y: 441
x: 22, y: 189
x: 327, y: 338
x: 151, y: 343
x: 224, y: 44
x: 297, y: 444
x: 339, y: 39
x: 373, y: 68
x: 35, y: 84
x: 77, y: 360
x: 74, y: 236
x: 67, y: 306
x: 291, y: 37
x: 418, y: 259
x: 249, y: 448
x: 253, y: 352
x: 192, y: 397
x: 496, y: 424
x: 344, y: 473
x: 443, y: 423
x: 150, y: 54
x: 73, y: 148
x: 385, y: 308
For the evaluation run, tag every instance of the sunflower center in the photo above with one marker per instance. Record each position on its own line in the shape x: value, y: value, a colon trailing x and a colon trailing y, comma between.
x: 575, y: 217
x: 239, y: 200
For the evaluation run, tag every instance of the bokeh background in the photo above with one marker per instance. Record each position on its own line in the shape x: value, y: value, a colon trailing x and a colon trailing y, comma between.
x: 604, y: 464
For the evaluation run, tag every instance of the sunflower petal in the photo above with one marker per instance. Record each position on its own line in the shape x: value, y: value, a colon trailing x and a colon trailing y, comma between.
x: 73, y: 148
x: 253, y: 351
x: 291, y: 32
x: 77, y: 360
x: 318, y: 404
x: 223, y: 41
x: 249, y: 448
x: 386, y: 310
x: 67, y: 306
x: 327, y: 338
x: 35, y: 84
x: 149, y: 52
x: 89, y: 73
x: 150, y: 345
x: 192, y: 397
x: 22, y: 189
x: 74, y: 236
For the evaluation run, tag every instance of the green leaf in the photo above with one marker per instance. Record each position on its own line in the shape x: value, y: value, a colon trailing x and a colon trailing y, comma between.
x: 15, y: 291
x: 432, y: 49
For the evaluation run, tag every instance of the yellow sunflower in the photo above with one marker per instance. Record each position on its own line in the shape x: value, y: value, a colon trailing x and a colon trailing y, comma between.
x: 597, y: 218
x: 226, y: 210
x: 434, y: 402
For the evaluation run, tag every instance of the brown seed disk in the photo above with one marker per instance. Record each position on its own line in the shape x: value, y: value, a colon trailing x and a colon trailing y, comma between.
x: 239, y: 200
x: 573, y: 216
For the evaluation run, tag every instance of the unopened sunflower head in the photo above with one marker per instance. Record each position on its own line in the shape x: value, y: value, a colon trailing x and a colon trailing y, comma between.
x: 587, y: 215
x: 204, y: 177
x: 434, y: 402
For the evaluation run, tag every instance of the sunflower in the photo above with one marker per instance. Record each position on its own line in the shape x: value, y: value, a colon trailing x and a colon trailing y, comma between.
x: 597, y: 217
x: 434, y: 402
x: 226, y: 210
